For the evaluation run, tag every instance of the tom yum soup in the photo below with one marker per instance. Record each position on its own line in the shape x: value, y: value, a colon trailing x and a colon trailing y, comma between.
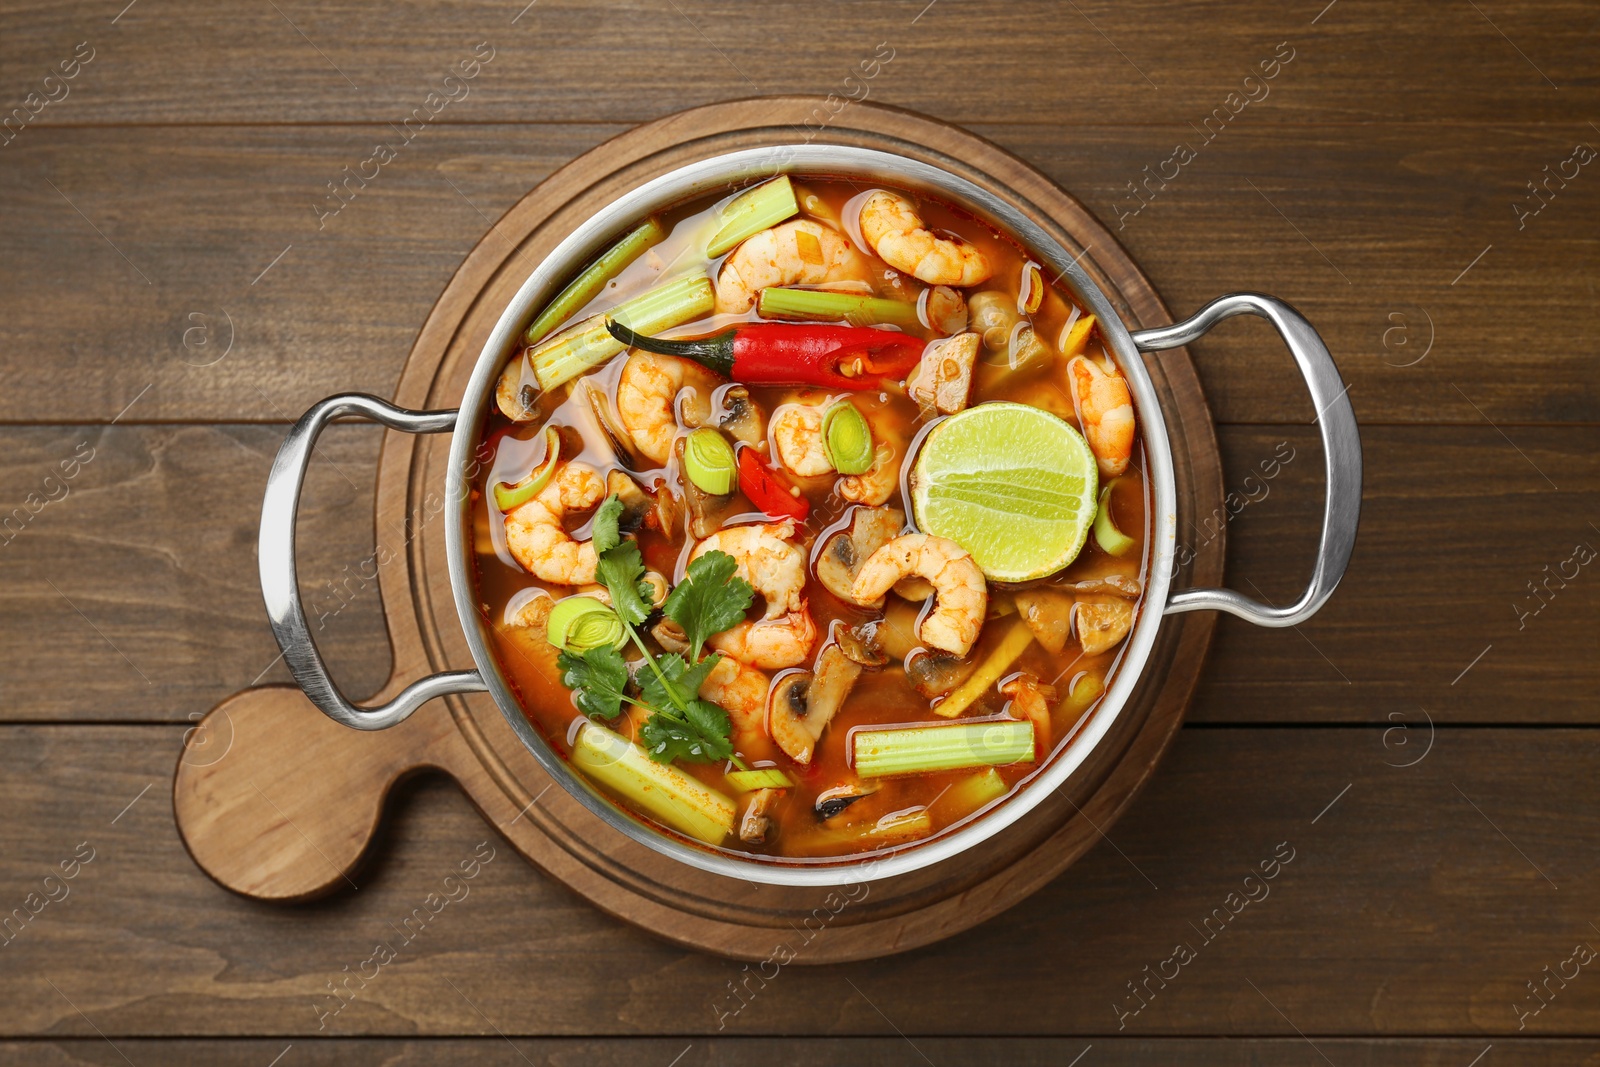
x: 816, y: 520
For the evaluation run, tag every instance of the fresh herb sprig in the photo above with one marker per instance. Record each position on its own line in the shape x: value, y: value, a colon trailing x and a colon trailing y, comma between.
x: 710, y: 599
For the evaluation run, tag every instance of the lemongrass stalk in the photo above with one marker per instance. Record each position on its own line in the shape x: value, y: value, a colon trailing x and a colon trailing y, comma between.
x: 947, y: 746
x: 1106, y: 535
x: 588, y: 344
x: 760, y: 778
x: 586, y: 286
x: 753, y: 211
x: 677, y: 799
x: 822, y: 305
x: 1012, y: 645
x: 970, y: 794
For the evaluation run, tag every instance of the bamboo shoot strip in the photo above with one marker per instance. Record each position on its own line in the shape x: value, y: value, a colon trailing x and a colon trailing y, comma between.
x: 589, y: 344
x: 943, y: 747
x: 677, y: 799
x: 1013, y: 645
x: 751, y: 212
x: 821, y: 305
x: 586, y: 286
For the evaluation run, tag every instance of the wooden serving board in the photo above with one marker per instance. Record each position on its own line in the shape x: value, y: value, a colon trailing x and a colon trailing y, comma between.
x: 278, y: 803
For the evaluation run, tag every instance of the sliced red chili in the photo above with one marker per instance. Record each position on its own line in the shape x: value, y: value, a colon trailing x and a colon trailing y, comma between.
x: 769, y: 490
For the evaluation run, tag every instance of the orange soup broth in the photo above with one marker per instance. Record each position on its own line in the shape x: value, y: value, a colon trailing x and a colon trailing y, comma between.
x: 880, y: 697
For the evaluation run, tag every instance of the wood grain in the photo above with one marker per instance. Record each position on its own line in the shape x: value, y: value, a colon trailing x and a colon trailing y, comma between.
x: 1397, y: 215
x: 1455, y: 524
x: 910, y: 1051
x: 1403, y: 912
x: 972, y: 62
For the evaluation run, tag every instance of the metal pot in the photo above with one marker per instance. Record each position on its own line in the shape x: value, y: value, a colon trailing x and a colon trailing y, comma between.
x: 1340, y: 441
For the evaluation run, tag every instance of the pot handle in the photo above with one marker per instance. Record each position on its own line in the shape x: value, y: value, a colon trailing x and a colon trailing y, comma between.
x: 280, y: 586
x: 1341, y: 449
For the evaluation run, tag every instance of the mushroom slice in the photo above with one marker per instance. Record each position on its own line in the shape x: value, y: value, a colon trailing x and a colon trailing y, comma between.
x: 1111, y: 585
x: 944, y: 377
x: 670, y: 636
x: 845, y: 551
x: 802, y: 703
x: 741, y: 417
x: 756, y: 822
x: 516, y: 392
x: 1048, y: 612
x: 1102, y: 622
x: 636, y: 503
x: 1031, y: 700
x: 861, y: 643
x: 896, y: 632
x: 934, y: 674
x: 913, y: 589
x: 707, y: 511
x: 831, y: 802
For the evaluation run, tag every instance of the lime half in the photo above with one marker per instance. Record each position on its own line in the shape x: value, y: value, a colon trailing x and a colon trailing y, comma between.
x: 1013, y: 485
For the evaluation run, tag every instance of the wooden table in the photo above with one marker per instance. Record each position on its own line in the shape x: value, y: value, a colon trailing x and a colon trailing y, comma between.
x: 177, y: 288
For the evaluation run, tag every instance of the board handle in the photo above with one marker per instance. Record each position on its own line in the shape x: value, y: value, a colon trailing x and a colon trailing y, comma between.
x: 1341, y: 450
x: 280, y: 586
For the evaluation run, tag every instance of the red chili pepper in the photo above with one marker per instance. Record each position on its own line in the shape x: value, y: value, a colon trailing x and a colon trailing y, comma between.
x: 793, y: 353
x: 769, y: 490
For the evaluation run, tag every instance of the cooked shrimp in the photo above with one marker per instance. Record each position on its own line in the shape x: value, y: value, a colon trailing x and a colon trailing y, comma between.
x: 645, y: 393
x: 767, y: 558
x: 771, y: 644
x: 961, y: 596
x: 891, y: 226
x: 798, y: 252
x: 879, y: 482
x: 797, y: 433
x: 537, y: 537
x: 1105, y: 411
x: 743, y: 692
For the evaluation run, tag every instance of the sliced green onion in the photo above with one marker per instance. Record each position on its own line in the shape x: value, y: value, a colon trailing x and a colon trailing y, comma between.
x: 589, y: 344
x: 660, y: 789
x: 508, y: 497
x: 709, y: 463
x: 971, y: 793
x: 821, y: 305
x: 586, y: 286
x: 1106, y: 534
x: 761, y: 778
x: 580, y: 623
x: 1012, y: 645
x: 753, y: 211
x: 847, y: 438
x: 946, y: 747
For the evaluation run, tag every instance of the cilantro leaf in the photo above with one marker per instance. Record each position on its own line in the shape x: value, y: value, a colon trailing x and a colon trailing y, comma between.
x: 597, y: 679
x: 606, y: 531
x: 685, y: 680
x: 621, y: 570
x: 710, y: 599
x: 701, y: 736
